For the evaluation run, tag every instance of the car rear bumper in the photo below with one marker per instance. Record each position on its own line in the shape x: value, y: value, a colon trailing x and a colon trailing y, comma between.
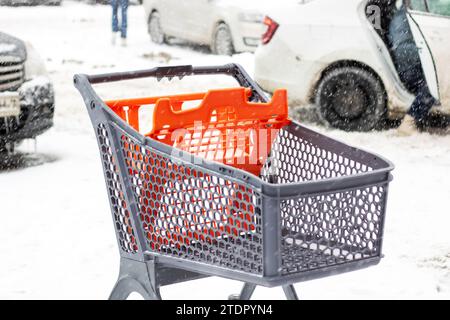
x: 247, y: 36
x: 37, y: 110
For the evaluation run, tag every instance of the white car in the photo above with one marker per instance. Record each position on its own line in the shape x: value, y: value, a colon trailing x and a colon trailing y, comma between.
x: 227, y: 26
x: 336, y: 54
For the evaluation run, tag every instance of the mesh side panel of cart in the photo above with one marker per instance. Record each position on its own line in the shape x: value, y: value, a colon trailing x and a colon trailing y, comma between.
x: 297, y: 159
x: 121, y: 214
x: 329, y: 228
x: 192, y: 214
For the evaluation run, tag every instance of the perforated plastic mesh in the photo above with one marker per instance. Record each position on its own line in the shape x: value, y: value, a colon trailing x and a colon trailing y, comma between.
x: 297, y: 159
x: 121, y: 214
x: 191, y: 214
x: 331, y: 229
x: 325, y: 229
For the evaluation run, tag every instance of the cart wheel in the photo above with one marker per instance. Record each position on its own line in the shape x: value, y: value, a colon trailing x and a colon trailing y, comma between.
x: 222, y: 43
x: 351, y: 99
x: 154, y: 28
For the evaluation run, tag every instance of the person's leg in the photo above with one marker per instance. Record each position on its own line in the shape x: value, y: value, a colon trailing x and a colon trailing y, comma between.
x: 115, y: 22
x: 412, y: 76
x: 422, y: 104
x: 418, y: 111
x: 409, y: 67
x: 124, y: 9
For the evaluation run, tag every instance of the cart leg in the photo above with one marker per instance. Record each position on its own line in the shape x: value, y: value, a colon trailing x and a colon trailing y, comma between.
x: 290, y: 293
x: 125, y: 286
x: 136, y: 276
x: 246, y: 292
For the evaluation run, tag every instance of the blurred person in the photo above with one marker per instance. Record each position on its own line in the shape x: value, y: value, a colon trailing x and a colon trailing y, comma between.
x: 409, y: 67
x: 115, y: 20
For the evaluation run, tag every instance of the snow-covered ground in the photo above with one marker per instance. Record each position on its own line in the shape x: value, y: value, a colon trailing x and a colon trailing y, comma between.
x: 57, y: 238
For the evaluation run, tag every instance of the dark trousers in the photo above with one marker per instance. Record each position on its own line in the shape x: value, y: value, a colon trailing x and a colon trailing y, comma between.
x: 422, y: 104
x: 409, y: 67
x: 411, y: 74
x: 115, y: 19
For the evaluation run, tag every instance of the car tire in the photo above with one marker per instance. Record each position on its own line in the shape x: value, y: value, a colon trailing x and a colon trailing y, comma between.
x: 222, y: 42
x: 154, y: 28
x: 351, y: 99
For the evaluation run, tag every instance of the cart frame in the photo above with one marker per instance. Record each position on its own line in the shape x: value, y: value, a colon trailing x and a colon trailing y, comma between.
x: 145, y: 271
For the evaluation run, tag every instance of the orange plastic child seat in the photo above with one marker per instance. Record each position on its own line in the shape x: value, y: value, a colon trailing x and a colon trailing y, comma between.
x: 225, y: 127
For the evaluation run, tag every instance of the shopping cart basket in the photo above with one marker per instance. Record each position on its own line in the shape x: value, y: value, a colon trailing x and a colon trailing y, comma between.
x: 273, y: 205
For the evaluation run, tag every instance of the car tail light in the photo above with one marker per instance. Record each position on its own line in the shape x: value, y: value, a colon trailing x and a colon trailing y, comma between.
x: 272, y: 26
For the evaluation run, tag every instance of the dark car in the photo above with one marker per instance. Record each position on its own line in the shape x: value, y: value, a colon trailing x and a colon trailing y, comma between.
x: 26, y: 93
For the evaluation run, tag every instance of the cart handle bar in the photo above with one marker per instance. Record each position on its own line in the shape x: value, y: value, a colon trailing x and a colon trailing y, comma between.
x: 170, y: 72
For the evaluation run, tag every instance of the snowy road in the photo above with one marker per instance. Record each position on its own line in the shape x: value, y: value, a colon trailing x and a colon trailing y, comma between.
x: 57, y: 238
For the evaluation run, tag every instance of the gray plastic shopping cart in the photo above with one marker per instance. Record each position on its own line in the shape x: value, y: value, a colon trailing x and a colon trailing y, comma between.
x: 308, y: 207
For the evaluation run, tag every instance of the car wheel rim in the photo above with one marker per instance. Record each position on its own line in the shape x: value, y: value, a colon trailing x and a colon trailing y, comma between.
x: 350, y: 104
x: 223, y: 42
x: 348, y: 99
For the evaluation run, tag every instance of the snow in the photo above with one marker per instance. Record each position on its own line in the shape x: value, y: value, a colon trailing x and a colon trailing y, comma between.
x: 57, y: 238
x: 36, y: 90
x: 36, y: 81
x: 8, y: 94
x: 6, y: 47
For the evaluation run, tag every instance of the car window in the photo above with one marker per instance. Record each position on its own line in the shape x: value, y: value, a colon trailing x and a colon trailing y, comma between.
x: 441, y: 7
x: 418, y: 5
